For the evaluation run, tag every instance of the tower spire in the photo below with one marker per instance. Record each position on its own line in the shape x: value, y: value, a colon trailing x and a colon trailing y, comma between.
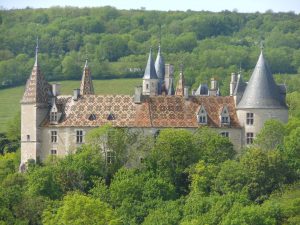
x: 36, y: 51
x: 86, y: 86
x: 37, y: 88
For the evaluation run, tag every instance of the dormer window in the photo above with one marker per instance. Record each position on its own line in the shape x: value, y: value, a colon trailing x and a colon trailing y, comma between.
x: 92, y: 117
x: 202, y: 115
x: 224, y: 116
x: 54, y: 114
x: 111, y: 116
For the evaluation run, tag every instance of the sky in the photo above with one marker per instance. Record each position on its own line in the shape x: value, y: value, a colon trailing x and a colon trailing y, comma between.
x: 165, y: 5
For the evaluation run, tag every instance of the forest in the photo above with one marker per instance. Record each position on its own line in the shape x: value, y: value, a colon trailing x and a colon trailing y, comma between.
x: 117, y: 42
x: 183, y: 177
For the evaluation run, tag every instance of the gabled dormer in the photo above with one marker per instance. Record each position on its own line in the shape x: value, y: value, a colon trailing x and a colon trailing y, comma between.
x: 202, y: 115
x: 55, y: 115
x: 225, y: 116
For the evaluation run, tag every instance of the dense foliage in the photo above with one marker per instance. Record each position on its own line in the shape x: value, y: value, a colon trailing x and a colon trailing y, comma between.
x: 117, y: 42
x: 182, y: 178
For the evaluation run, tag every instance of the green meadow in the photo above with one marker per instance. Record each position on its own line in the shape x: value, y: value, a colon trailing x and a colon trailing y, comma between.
x: 10, y: 97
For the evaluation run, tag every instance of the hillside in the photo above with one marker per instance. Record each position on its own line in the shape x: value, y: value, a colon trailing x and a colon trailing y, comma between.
x: 10, y: 97
x: 117, y: 42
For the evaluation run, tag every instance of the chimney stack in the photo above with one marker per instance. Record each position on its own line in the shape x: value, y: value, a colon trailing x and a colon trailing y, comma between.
x: 76, y: 94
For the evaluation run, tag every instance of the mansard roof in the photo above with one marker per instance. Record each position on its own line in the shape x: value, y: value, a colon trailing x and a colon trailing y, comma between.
x: 150, y: 72
x: 156, y: 111
x: 86, y: 86
x: 261, y: 91
x: 37, y: 89
x: 160, y: 65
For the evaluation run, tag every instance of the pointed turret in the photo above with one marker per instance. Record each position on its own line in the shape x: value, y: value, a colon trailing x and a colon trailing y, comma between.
x: 180, y: 84
x: 37, y: 88
x: 261, y: 91
x: 86, y: 86
x: 150, y: 79
x: 150, y: 72
x: 160, y: 69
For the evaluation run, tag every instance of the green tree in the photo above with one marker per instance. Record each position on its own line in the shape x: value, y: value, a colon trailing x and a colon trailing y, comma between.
x: 134, y: 193
x: 292, y: 150
x: 231, y: 178
x: 211, y: 147
x: 265, y: 172
x: 173, y: 153
x: 78, y: 209
x: 271, y: 135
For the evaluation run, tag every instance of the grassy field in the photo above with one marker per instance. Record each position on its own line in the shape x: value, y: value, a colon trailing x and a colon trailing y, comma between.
x: 10, y: 97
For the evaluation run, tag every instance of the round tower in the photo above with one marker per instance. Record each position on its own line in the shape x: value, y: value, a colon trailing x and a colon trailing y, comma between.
x: 261, y: 101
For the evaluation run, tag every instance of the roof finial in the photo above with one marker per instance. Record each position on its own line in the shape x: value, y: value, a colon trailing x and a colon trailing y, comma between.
x: 240, y: 72
x: 36, y: 51
x: 261, y: 46
x: 86, y: 58
x: 159, y: 37
x: 181, y: 67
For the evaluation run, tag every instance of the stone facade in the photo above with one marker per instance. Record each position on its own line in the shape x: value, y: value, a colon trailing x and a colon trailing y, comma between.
x: 56, y: 124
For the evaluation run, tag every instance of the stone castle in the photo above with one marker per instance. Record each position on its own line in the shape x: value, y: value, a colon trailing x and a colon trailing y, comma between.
x: 54, y: 124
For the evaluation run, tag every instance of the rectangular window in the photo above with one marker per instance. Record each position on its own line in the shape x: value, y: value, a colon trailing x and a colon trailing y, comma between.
x: 224, y: 134
x: 79, y: 136
x: 28, y: 137
x: 110, y: 157
x: 53, y: 152
x: 202, y: 119
x: 249, y: 119
x: 225, y: 119
x: 249, y: 138
x: 53, y: 136
x: 53, y: 116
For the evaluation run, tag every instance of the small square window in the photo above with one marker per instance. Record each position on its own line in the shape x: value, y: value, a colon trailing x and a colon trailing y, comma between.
x: 53, y: 152
x: 224, y: 134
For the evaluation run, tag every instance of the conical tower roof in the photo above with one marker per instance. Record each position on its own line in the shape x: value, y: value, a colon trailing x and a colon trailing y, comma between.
x: 150, y: 72
x: 261, y: 91
x: 86, y: 86
x: 37, y: 88
x: 160, y: 65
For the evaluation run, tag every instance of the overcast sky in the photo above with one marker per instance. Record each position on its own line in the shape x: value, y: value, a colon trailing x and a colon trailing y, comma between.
x: 197, y: 5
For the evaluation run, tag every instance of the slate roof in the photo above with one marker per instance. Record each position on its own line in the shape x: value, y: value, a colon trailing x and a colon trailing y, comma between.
x: 156, y: 111
x: 261, y: 91
x: 160, y: 65
x: 150, y: 72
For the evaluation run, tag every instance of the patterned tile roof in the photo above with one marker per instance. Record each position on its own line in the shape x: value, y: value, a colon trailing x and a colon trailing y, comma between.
x: 37, y: 89
x: 156, y: 111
